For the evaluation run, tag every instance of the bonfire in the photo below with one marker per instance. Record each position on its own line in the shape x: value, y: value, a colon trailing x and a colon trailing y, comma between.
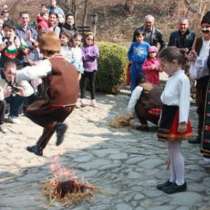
x: 65, y: 187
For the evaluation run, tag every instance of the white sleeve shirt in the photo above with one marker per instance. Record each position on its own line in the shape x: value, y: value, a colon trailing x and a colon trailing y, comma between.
x: 136, y: 93
x: 40, y: 69
x: 177, y: 92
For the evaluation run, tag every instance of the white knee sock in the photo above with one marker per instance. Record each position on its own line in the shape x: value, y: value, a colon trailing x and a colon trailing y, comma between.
x: 172, y: 177
x: 178, y: 163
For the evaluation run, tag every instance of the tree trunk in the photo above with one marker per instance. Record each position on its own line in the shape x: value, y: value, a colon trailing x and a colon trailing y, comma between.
x: 74, y: 8
x: 129, y: 6
x: 84, y: 20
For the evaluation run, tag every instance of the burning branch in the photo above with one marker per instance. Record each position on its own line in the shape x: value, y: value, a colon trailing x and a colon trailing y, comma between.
x: 65, y: 187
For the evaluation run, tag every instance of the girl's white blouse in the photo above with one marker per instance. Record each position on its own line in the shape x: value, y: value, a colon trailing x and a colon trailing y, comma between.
x: 177, y: 92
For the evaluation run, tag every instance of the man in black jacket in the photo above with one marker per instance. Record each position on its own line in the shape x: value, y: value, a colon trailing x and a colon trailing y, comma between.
x: 183, y: 37
x: 152, y: 35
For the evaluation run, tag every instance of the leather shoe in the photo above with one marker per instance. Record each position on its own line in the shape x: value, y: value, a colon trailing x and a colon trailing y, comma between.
x: 174, y: 188
x: 35, y: 149
x: 142, y: 128
x: 60, y: 132
x: 195, y: 141
x: 165, y: 184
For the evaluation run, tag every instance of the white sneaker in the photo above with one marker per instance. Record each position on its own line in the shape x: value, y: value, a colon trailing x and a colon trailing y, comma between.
x: 93, y: 103
x: 3, y: 129
x: 14, y: 120
x: 78, y: 103
x: 83, y: 102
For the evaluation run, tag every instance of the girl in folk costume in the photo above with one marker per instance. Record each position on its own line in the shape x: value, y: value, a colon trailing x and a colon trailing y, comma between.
x: 61, y: 91
x: 90, y: 55
x: 151, y: 67
x: 174, y: 125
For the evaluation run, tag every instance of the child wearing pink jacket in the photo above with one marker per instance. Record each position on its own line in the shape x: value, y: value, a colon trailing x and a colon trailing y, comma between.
x: 151, y: 67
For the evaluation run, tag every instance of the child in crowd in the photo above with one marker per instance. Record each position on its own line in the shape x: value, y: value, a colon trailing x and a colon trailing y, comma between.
x: 42, y: 22
x: 90, y: 56
x: 10, y: 43
x: 174, y: 125
x: 65, y: 38
x: 151, y: 67
x: 70, y: 49
x: 77, y: 52
x: 137, y: 54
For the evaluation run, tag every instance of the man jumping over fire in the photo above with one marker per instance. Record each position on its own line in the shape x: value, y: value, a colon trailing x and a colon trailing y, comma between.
x: 61, y: 91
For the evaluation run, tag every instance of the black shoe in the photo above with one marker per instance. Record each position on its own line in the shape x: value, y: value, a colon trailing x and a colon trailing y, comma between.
x: 35, y: 149
x: 142, y: 128
x: 60, y: 132
x: 165, y: 184
x: 195, y: 141
x: 174, y: 188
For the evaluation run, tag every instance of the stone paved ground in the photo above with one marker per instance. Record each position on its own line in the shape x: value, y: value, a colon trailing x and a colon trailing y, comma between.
x: 125, y: 163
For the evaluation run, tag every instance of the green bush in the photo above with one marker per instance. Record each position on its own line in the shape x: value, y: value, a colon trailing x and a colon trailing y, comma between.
x: 112, y: 61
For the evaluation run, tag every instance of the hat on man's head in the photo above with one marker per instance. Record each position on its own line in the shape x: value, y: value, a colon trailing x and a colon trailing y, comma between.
x: 206, y: 18
x: 49, y: 41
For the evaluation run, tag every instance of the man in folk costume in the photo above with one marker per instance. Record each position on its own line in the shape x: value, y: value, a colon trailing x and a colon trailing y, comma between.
x: 145, y: 100
x: 199, y: 71
x: 62, y: 89
x: 205, y: 137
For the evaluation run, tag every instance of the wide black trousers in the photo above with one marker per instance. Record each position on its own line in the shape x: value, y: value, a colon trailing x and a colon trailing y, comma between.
x: 48, y: 117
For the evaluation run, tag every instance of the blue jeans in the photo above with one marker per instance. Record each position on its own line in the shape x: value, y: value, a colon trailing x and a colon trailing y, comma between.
x: 15, y: 102
x: 136, y: 74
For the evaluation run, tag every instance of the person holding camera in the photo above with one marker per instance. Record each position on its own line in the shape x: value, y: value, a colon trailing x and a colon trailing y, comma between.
x: 14, y: 93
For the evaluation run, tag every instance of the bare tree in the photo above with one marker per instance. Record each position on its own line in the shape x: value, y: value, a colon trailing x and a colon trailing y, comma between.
x: 129, y: 6
x: 84, y: 19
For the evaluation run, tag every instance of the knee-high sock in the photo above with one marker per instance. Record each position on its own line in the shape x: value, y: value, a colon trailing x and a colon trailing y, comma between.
x: 178, y: 163
x: 172, y: 177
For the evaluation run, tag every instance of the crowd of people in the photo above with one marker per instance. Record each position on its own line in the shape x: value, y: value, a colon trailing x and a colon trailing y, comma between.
x: 19, y: 48
x: 38, y: 63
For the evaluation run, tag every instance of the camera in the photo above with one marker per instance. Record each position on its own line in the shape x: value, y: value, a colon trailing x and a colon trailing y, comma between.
x: 7, y: 42
x: 15, y: 89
